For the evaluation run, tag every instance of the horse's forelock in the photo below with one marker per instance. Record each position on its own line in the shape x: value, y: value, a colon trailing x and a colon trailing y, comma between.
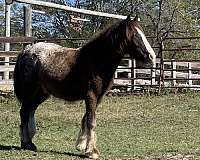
x: 130, y: 28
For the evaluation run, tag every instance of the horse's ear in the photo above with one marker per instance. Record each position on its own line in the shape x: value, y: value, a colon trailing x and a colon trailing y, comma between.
x: 136, y: 19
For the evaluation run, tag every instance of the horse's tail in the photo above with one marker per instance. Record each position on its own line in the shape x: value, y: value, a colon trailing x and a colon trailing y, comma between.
x: 25, y: 75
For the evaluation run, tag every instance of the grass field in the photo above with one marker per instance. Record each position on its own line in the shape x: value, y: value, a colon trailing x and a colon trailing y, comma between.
x: 131, y: 127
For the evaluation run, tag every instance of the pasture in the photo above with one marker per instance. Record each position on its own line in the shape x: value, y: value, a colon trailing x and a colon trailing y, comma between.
x: 128, y: 127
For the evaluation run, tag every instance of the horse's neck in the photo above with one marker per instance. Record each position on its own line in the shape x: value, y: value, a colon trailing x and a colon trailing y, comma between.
x: 107, y: 59
x: 105, y: 55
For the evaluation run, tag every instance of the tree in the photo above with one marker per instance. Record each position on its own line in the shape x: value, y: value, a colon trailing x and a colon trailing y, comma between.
x: 1, y: 21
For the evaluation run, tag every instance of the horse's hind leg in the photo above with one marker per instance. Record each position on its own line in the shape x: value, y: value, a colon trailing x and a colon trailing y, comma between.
x: 26, y: 138
x: 28, y: 127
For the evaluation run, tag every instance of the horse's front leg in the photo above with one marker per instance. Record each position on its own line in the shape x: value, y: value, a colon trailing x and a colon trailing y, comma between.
x: 87, y: 136
x: 82, y: 137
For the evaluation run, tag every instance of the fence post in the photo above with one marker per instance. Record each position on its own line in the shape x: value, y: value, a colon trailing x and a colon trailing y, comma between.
x: 189, y: 73
x: 133, y: 74
x: 129, y: 74
x: 173, y: 64
x: 153, y: 74
x: 7, y: 33
x: 27, y: 22
x: 129, y: 66
x: 161, y: 79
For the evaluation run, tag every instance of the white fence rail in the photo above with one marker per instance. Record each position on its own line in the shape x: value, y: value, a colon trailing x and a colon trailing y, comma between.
x: 176, y: 74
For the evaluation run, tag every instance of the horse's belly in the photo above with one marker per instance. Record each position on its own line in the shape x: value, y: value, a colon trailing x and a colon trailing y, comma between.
x: 68, y: 90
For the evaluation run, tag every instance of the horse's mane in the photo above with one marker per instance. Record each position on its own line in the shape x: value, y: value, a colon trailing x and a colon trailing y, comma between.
x: 115, y: 37
x: 112, y: 37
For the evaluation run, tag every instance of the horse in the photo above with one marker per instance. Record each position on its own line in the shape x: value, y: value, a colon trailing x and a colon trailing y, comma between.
x: 86, y: 73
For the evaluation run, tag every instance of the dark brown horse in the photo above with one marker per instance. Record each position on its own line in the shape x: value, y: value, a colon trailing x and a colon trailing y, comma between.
x: 45, y: 69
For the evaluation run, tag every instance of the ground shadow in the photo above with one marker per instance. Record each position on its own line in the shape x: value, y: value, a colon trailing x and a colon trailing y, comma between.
x: 7, y: 148
x: 65, y: 153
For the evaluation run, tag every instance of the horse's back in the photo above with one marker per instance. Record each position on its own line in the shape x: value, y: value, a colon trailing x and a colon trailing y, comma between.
x: 55, y: 61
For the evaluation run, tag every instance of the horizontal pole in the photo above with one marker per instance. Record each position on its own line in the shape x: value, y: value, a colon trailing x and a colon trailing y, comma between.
x: 182, y: 49
x: 136, y: 68
x: 71, y: 9
x: 4, y: 62
x: 126, y: 79
x: 181, y: 78
x: 6, y: 82
x: 60, y: 39
x: 183, y: 37
x: 9, y: 68
x: 182, y: 86
x: 179, y: 60
x: 186, y: 69
x: 17, y: 39
x: 9, y: 53
x: 136, y: 85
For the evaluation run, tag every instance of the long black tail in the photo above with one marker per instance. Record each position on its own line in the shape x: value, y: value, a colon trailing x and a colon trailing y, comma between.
x: 25, y: 75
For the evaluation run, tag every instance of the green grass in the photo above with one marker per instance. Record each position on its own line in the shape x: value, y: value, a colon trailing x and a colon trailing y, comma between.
x: 131, y: 127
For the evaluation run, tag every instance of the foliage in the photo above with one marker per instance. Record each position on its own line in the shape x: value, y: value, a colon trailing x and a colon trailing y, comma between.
x: 1, y: 21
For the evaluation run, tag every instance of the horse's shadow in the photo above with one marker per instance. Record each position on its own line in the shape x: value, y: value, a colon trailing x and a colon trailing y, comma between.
x: 7, y: 148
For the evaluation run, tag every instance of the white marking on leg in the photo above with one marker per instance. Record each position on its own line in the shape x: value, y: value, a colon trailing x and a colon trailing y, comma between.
x: 82, y: 137
x: 91, y: 137
x: 91, y: 141
x: 147, y: 45
x: 81, y: 142
x: 92, y: 152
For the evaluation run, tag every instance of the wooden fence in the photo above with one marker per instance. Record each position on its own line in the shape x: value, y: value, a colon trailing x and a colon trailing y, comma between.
x: 176, y: 74
x: 7, y: 67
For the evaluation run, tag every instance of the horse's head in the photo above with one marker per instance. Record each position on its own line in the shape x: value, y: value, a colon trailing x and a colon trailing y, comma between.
x: 138, y: 45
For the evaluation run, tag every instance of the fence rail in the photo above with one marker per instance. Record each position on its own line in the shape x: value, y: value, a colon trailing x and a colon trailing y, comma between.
x: 173, y: 77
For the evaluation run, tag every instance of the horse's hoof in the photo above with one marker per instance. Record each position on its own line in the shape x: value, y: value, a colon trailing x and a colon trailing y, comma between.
x: 28, y: 146
x: 81, y: 144
x: 93, y: 155
x: 81, y: 147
